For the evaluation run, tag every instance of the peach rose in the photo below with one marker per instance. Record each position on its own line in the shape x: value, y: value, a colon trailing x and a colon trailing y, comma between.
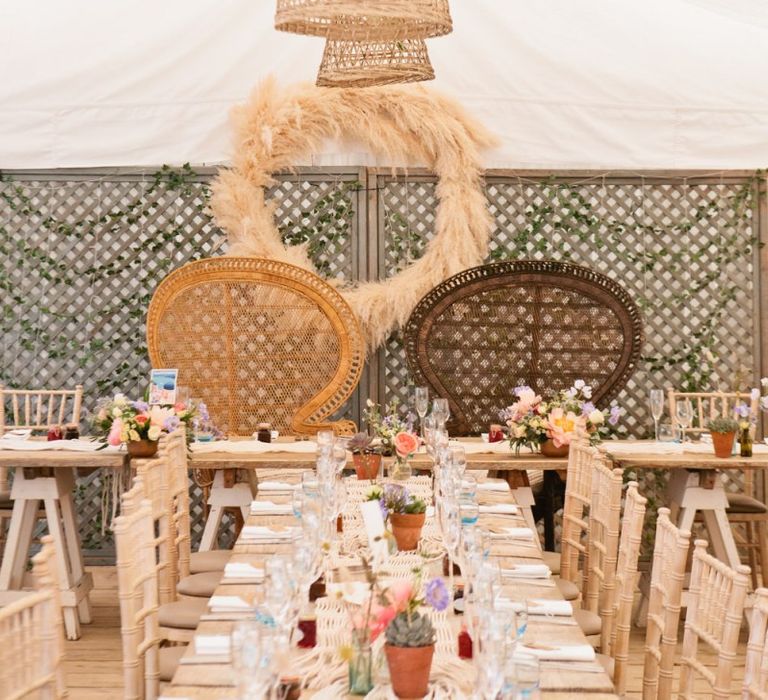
x: 406, y: 444
x: 114, y: 432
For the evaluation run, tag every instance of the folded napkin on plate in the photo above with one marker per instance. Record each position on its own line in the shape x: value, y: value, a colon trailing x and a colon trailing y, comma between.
x: 527, y: 571
x: 541, y: 606
x: 237, y: 569
x: 260, y: 532
x: 547, y: 651
x: 499, y: 509
x: 217, y: 644
x: 240, y: 446
x: 17, y: 434
x: 277, y: 486
x: 513, y: 533
x: 228, y: 603
x: 502, y: 486
x: 270, y: 508
x: 82, y: 445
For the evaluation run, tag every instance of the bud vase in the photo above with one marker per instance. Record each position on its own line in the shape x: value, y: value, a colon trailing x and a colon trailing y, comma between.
x: 400, y: 470
x: 360, y: 666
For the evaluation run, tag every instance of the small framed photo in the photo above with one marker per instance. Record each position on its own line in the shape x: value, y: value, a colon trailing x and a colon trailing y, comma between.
x: 162, y: 386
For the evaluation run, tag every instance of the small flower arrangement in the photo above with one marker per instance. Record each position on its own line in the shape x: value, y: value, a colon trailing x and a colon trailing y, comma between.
x: 387, y: 422
x: 532, y: 420
x: 120, y: 420
x: 396, y: 499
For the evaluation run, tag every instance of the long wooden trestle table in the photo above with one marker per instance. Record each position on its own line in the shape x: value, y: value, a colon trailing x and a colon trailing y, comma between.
x: 198, y: 678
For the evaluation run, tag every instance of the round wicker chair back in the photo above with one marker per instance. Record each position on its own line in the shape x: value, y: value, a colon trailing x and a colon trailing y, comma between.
x: 488, y: 329
x: 259, y: 341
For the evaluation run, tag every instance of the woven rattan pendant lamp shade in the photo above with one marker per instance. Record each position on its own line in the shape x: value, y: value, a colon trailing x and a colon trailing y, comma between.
x: 367, y: 63
x: 364, y: 20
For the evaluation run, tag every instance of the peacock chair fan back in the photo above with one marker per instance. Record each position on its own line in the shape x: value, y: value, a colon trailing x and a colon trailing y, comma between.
x: 488, y: 329
x: 259, y: 341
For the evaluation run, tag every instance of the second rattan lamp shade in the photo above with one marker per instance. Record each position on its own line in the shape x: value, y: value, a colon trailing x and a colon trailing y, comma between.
x: 364, y: 20
x: 367, y: 63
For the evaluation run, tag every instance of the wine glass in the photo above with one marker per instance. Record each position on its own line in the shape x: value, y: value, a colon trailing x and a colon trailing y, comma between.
x: 459, y: 458
x: 421, y: 404
x: 441, y: 410
x: 684, y: 412
x: 657, y: 409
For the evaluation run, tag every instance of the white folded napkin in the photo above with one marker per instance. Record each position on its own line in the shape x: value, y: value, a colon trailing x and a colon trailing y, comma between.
x: 527, y: 571
x: 472, y: 448
x: 640, y: 447
x: 513, y: 533
x: 499, y: 509
x: 549, y: 651
x: 266, y: 534
x: 501, y: 486
x: 542, y: 606
x: 217, y: 644
x: 17, y: 434
x: 277, y: 486
x: 228, y: 603
x: 270, y: 508
x: 237, y: 569
x: 82, y: 445
x: 240, y: 446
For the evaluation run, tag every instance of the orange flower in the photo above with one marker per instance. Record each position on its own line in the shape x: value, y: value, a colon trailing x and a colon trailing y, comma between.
x: 406, y: 444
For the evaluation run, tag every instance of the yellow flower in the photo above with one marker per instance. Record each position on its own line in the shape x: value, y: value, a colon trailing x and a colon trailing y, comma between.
x: 346, y: 652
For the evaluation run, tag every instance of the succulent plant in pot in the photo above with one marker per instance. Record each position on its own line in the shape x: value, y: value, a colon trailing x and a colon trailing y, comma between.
x: 723, y: 431
x: 365, y: 458
x: 405, y: 512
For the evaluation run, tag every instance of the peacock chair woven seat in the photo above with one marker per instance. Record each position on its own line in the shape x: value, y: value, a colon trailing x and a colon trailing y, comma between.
x: 488, y: 329
x: 259, y: 341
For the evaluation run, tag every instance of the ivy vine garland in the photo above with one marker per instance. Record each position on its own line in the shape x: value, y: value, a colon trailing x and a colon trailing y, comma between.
x: 277, y: 128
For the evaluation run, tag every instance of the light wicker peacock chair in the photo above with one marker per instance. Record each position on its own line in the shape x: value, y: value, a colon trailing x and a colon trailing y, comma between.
x: 488, y: 329
x: 259, y: 341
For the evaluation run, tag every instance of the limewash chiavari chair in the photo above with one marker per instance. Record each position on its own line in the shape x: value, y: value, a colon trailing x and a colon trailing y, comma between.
x: 756, y: 671
x: 715, y: 608
x: 603, y: 545
x: 617, y: 647
x: 32, y: 636
x: 670, y: 553
x: 742, y: 508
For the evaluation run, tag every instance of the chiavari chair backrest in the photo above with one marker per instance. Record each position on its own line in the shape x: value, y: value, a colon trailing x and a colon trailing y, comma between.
x: 670, y: 554
x: 578, y: 494
x: 756, y: 671
x: 715, y: 608
x: 36, y: 409
x: 32, y: 636
x: 153, y: 478
x: 178, y: 500
x: 709, y: 405
x: 624, y: 585
x: 603, y: 543
x: 137, y: 592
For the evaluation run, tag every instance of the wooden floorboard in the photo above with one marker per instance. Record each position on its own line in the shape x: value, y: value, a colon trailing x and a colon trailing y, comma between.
x: 93, y: 663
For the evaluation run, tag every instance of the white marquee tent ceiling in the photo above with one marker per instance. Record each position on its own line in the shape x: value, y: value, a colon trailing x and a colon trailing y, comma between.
x: 563, y: 83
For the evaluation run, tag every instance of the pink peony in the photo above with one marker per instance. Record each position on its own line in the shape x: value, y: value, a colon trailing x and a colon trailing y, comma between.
x: 381, y: 616
x: 400, y: 593
x: 406, y: 444
x: 562, y: 427
x: 114, y: 432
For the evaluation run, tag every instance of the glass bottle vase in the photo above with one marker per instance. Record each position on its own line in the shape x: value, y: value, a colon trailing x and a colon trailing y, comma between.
x: 400, y: 469
x: 360, y: 666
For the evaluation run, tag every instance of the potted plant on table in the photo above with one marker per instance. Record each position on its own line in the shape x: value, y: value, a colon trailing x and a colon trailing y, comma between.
x: 723, y: 431
x: 365, y: 458
x: 405, y: 513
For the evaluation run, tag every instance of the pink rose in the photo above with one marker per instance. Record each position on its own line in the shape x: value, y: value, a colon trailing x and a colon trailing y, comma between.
x: 180, y: 407
x: 406, y: 444
x: 114, y: 432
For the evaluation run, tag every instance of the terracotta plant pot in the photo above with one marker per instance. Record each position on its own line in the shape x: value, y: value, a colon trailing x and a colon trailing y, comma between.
x: 409, y: 669
x: 142, y: 448
x: 367, y: 466
x: 548, y: 449
x: 406, y: 527
x: 723, y: 444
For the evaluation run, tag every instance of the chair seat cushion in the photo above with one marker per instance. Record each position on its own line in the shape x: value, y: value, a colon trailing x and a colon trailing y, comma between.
x: 168, y: 660
x: 741, y: 503
x: 607, y: 662
x: 590, y: 622
x: 568, y: 589
x: 183, y: 614
x: 212, y: 560
x: 199, y: 585
x: 552, y: 560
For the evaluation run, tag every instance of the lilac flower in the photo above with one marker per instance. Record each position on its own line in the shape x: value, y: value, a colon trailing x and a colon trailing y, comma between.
x: 171, y: 423
x: 587, y: 391
x: 615, y: 415
x: 202, y: 411
x: 140, y: 406
x: 741, y: 410
x: 383, y: 508
x: 436, y: 594
x: 520, y: 389
x: 579, y: 384
x: 587, y: 408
